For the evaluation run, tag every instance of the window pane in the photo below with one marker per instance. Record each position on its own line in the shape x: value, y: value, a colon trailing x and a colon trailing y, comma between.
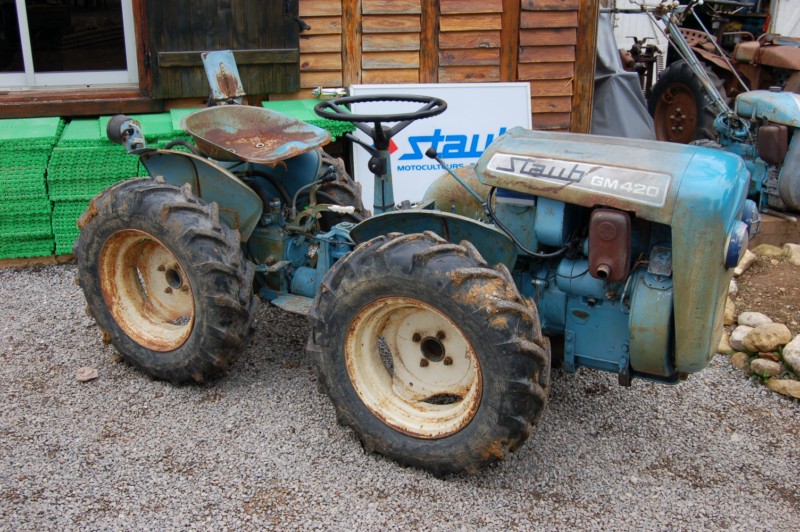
x: 10, y: 47
x: 70, y: 35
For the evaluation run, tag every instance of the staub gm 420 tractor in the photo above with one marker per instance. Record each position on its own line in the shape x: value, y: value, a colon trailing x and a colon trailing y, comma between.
x: 430, y: 330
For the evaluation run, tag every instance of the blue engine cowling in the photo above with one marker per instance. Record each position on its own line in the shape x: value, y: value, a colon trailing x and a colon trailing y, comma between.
x: 662, y: 317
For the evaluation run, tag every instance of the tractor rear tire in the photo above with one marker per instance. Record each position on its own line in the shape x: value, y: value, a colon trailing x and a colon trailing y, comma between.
x: 431, y: 356
x: 342, y: 191
x: 165, y: 280
x: 681, y: 108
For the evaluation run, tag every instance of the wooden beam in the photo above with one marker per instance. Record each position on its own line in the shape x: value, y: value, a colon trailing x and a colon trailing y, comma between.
x: 142, y: 46
x: 509, y: 40
x: 86, y: 102
x: 551, y: 5
x: 351, y: 42
x: 393, y: 7
x: 429, y: 43
x: 391, y: 24
x: 482, y: 22
x: 474, y: 6
x: 243, y: 57
x: 586, y: 49
x: 309, y: 8
x: 470, y: 39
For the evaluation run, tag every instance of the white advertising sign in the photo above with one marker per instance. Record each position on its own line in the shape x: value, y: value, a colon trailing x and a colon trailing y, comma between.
x: 477, y: 113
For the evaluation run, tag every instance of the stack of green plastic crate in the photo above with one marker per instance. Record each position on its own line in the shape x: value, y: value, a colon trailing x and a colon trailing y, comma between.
x: 25, y: 147
x: 85, y: 162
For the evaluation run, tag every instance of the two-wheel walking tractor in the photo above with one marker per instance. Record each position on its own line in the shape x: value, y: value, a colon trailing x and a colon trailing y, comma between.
x: 431, y: 331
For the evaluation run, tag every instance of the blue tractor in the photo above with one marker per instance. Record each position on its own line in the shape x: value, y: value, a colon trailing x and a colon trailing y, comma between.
x: 431, y: 325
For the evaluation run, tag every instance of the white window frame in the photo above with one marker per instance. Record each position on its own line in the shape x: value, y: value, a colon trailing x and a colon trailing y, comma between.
x: 30, y: 79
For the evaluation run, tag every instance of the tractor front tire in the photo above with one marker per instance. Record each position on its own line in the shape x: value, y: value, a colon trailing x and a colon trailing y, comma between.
x: 431, y: 356
x: 681, y: 108
x: 165, y: 280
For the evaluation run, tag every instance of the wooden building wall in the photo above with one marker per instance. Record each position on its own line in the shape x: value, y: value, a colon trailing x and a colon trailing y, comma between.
x: 549, y: 43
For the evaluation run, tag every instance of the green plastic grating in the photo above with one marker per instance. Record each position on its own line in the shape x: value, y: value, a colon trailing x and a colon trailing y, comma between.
x: 81, y: 190
x: 15, y: 248
x: 154, y: 126
x: 17, y: 159
x: 64, y: 246
x: 83, y: 133
x: 18, y: 130
x: 177, y: 115
x: 25, y: 208
x: 66, y: 214
x: 18, y: 185
x: 65, y: 224
x: 91, y: 163
x: 32, y: 229
x: 22, y: 192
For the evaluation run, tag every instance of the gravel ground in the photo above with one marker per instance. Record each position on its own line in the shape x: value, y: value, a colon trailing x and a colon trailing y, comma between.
x: 261, y: 448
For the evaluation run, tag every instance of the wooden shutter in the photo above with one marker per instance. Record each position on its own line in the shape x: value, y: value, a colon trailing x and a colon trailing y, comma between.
x: 262, y: 34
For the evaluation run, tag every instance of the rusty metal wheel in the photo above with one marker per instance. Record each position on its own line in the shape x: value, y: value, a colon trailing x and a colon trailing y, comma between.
x: 431, y: 356
x: 413, y: 367
x: 146, y: 290
x: 165, y: 280
x: 681, y: 108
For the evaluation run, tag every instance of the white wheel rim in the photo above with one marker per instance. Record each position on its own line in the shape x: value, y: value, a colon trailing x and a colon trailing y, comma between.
x: 429, y: 383
x: 146, y: 290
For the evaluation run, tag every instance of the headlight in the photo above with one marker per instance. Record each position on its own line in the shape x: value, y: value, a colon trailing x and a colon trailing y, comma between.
x: 737, y: 245
x: 751, y: 217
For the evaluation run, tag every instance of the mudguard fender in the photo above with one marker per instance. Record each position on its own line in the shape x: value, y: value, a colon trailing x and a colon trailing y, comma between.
x: 494, y: 245
x: 239, y: 206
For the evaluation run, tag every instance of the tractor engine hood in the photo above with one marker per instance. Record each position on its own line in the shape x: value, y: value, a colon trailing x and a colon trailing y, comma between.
x: 648, y: 178
x: 776, y: 107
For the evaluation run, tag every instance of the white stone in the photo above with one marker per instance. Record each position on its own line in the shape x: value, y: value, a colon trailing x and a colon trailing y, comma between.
x: 768, y: 250
x: 785, y: 387
x: 733, y: 289
x: 730, y: 312
x: 86, y: 374
x: 738, y: 335
x: 793, y: 250
x: 747, y: 260
x: 765, y: 368
x: 741, y: 361
x: 791, y: 354
x: 767, y: 337
x: 753, y: 319
x: 724, y: 343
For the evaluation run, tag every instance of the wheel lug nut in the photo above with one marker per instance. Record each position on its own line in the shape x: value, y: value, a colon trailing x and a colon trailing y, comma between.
x: 185, y: 288
x: 440, y: 335
x: 168, y: 290
x: 416, y: 337
x: 162, y: 268
x: 448, y: 361
x: 423, y: 363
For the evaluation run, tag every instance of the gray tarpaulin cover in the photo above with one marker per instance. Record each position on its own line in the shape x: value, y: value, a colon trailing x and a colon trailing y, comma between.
x: 619, y: 108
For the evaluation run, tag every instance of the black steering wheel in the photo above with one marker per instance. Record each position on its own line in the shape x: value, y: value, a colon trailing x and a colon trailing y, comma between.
x: 334, y: 110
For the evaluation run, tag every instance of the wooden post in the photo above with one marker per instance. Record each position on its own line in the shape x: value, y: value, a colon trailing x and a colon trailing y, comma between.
x: 429, y: 42
x: 588, y: 15
x: 351, y: 42
x: 509, y: 40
